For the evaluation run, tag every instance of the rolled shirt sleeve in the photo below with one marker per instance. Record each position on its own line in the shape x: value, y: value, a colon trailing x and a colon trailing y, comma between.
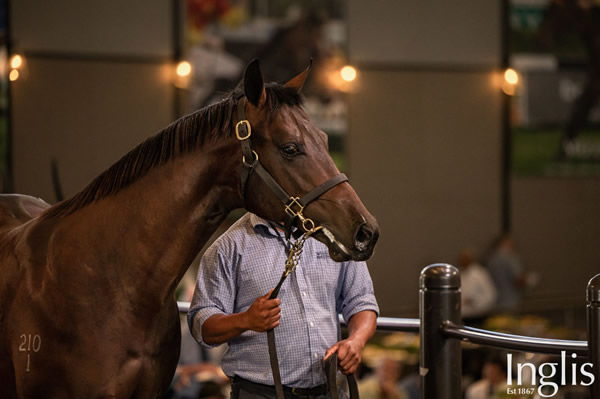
x: 215, y: 288
x: 355, y: 291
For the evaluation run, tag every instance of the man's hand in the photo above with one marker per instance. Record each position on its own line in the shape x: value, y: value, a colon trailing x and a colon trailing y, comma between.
x: 261, y: 316
x: 264, y: 313
x: 349, y: 354
x: 361, y: 328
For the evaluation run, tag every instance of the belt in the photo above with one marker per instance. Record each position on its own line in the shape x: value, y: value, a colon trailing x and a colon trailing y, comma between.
x: 259, y: 388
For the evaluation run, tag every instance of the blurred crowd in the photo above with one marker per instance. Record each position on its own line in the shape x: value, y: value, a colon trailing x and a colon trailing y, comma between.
x: 493, y: 284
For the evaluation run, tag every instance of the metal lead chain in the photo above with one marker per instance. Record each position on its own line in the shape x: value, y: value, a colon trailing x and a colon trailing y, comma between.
x: 296, y: 250
x: 293, y: 258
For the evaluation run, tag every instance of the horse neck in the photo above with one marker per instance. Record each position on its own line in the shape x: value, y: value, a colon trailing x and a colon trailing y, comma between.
x: 146, y: 235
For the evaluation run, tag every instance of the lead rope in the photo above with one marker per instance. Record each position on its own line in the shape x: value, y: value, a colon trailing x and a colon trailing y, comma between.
x: 330, y: 364
x: 290, y: 266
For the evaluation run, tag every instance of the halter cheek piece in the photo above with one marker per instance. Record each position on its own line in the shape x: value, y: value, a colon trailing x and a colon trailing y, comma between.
x: 294, y: 206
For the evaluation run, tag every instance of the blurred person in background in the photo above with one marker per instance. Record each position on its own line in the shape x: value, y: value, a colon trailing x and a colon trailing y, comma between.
x: 492, y: 385
x: 478, y: 293
x: 383, y: 383
x: 507, y: 274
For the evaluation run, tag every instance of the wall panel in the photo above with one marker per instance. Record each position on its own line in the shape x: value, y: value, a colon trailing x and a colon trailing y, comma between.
x: 109, y: 27
x: 84, y: 114
x: 434, y: 32
x: 557, y: 224
x: 424, y: 155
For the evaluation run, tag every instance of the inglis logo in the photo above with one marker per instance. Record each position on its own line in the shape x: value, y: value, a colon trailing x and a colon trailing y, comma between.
x: 547, y: 373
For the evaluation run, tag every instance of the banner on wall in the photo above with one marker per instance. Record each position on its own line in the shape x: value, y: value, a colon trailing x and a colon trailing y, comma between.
x: 555, y: 114
x: 222, y: 36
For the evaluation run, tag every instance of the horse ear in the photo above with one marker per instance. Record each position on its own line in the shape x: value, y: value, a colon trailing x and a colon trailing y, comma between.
x: 297, y: 82
x: 254, y: 87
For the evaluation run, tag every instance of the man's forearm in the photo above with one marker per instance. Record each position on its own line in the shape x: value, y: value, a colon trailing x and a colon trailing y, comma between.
x: 220, y: 328
x: 362, y: 326
x: 262, y: 315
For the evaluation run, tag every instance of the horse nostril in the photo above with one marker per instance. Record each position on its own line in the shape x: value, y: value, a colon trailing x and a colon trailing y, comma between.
x: 363, y: 237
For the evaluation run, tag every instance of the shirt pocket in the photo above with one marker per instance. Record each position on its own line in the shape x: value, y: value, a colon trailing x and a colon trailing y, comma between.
x: 323, y: 276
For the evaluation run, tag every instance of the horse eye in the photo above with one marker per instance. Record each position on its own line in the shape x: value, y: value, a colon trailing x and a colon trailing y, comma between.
x: 290, y: 149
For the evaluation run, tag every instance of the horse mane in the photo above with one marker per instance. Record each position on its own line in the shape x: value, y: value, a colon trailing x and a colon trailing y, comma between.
x: 178, y: 138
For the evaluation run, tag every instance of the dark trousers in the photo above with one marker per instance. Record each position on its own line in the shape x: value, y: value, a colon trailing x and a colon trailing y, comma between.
x: 244, y: 389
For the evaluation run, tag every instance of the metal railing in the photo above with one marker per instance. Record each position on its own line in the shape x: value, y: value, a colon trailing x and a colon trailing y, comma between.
x: 441, y: 332
x: 383, y: 323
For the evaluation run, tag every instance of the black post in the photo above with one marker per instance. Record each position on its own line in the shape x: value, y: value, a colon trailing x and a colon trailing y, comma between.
x: 177, y: 30
x: 593, y: 325
x: 506, y: 127
x: 440, y: 357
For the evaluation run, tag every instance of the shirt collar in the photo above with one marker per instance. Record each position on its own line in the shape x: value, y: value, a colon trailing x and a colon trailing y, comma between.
x: 263, y: 225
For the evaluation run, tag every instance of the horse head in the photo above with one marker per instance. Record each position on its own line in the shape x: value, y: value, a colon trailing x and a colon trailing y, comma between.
x: 289, y: 148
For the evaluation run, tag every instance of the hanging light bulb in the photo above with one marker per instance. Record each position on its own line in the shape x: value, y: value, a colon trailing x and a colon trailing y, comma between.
x: 184, y: 69
x: 511, y: 80
x: 348, y: 73
x: 511, y: 76
x: 183, y: 73
x: 16, y: 64
x: 13, y: 75
x: 16, y: 61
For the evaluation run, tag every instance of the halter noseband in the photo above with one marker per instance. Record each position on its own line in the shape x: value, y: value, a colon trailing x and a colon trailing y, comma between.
x: 294, y: 206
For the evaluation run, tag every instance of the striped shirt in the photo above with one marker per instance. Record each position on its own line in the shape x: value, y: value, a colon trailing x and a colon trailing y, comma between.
x: 245, y: 263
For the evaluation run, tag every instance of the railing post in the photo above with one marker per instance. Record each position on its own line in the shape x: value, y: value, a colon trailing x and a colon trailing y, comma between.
x: 440, y: 357
x: 593, y: 325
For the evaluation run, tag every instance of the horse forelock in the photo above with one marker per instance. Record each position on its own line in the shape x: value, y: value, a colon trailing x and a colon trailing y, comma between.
x: 180, y: 137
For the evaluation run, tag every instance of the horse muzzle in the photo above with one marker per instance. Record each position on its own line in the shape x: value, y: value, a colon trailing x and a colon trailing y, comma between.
x: 365, y: 238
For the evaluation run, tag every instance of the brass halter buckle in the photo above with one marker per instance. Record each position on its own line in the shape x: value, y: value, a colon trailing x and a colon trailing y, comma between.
x: 248, y: 130
x: 307, y: 224
x: 254, y: 162
x: 294, y: 201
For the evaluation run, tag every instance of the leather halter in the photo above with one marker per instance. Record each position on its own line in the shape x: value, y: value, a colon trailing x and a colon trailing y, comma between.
x: 294, y: 206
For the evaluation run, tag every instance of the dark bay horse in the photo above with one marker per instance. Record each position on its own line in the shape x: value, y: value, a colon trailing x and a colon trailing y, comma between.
x: 87, y: 305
